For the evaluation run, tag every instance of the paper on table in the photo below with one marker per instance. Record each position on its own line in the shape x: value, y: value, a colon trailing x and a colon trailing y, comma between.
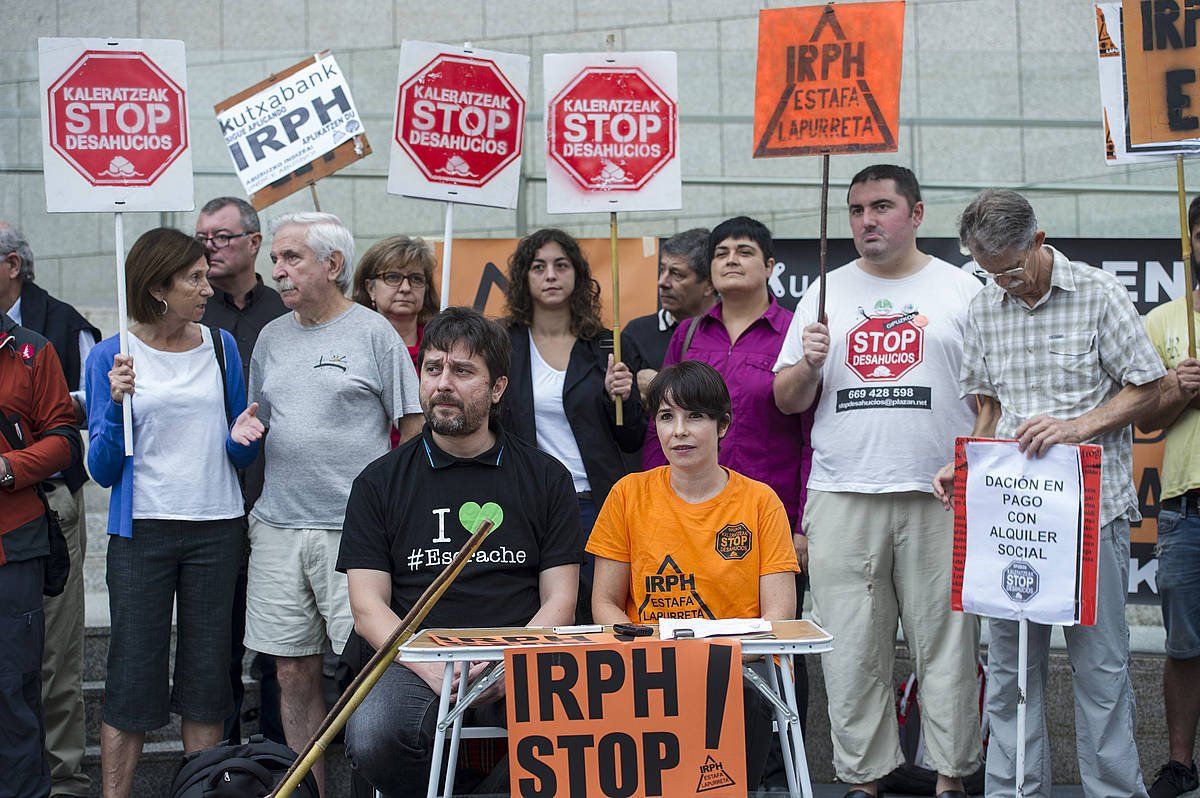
x: 669, y: 628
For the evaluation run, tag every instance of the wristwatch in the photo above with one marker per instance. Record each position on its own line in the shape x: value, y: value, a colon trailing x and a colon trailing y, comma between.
x: 8, y: 479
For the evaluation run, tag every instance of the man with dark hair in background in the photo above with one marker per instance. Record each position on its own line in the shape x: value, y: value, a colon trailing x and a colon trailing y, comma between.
x: 229, y: 230
x: 1178, y: 547
x: 684, y: 291
x: 413, y: 508
x: 73, y: 337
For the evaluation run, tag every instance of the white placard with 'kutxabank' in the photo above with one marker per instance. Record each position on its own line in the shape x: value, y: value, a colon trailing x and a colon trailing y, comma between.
x: 290, y: 123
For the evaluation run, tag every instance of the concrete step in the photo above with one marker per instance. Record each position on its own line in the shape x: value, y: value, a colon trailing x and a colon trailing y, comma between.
x: 160, y: 761
x: 1146, y: 671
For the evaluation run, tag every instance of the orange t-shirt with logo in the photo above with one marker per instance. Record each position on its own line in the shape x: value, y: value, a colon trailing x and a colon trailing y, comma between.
x: 693, y: 560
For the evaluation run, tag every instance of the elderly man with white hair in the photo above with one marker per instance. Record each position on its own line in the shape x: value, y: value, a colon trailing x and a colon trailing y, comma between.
x: 329, y: 379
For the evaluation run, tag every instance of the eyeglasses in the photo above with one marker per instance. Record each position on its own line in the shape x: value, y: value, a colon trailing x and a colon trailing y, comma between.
x: 1007, y: 274
x: 220, y: 240
x: 416, y: 280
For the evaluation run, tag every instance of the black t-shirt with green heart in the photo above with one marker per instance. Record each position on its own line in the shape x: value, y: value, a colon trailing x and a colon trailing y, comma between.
x: 411, y: 510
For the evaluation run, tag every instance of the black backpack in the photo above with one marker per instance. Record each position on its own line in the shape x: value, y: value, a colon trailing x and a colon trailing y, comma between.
x: 252, y: 770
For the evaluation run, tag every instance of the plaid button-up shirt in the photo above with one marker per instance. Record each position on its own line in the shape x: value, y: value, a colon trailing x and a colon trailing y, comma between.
x: 1068, y: 354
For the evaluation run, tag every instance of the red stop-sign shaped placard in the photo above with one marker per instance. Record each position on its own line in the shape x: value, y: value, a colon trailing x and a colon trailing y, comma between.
x: 117, y: 118
x: 612, y: 128
x: 460, y: 120
x: 884, y: 348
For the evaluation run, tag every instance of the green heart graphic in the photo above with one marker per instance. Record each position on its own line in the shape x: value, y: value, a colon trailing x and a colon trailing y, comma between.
x: 471, y: 514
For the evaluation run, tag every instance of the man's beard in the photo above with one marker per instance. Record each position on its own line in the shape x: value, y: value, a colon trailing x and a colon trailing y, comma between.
x: 465, y: 423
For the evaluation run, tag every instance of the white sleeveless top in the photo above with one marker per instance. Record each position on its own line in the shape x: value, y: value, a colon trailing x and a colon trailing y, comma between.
x: 554, y: 435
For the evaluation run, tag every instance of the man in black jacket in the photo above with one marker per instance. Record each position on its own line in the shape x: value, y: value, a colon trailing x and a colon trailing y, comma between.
x: 73, y: 337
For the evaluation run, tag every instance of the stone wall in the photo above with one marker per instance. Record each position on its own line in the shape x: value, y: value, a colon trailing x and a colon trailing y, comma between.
x: 995, y: 92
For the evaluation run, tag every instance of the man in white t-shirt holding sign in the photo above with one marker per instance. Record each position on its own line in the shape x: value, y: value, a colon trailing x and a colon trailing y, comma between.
x: 883, y: 372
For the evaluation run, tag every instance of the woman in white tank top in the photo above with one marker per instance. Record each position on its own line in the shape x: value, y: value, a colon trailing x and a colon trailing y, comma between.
x: 561, y: 382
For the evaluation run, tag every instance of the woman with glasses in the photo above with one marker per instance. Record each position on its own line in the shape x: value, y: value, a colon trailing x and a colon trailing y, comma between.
x: 395, y: 277
x: 562, y: 379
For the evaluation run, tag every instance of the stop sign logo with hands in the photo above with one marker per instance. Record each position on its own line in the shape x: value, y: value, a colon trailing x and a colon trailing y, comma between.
x: 612, y: 128
x: 115, y: 125
x: 117, y: 118
x: 885, y: 348
x: 612, y: 132
x: 460, y: 118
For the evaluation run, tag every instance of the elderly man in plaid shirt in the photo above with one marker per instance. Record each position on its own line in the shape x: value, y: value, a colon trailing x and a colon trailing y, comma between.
x: 1057, y: 354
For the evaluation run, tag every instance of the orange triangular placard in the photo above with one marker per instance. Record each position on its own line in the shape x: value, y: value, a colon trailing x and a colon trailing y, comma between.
x: 828, y: 79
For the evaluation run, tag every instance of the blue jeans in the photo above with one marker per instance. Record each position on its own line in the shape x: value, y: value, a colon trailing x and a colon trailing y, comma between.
x: 389, y: 739
x: 1178, y: 551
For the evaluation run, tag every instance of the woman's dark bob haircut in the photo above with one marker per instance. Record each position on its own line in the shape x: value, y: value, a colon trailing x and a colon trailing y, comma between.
x: 154, y: 261
x: 693, y: 386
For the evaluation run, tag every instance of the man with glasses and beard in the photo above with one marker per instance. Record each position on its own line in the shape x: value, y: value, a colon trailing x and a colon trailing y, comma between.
x: 411, y: 510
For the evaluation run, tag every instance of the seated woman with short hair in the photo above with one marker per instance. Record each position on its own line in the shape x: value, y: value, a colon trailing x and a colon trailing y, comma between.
x: 725, y: 535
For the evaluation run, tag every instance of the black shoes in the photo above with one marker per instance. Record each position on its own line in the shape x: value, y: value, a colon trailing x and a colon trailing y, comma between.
x: 1174, y: 779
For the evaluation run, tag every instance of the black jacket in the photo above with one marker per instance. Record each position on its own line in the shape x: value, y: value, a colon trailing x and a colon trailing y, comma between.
x: 60, y: 324
x: 592, y: 415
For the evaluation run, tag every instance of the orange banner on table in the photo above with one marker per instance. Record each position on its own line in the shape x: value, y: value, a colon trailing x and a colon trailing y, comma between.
x: 1162, y: 52
x: 828, y: 79
x: 649, y: 718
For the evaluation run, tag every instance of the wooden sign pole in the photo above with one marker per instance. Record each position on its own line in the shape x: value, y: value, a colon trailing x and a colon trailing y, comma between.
x: 1185, y: 236
x: 123, y: 325
x: 616, y: 306
x: 370, y: 675
x: 1022, y: 679
x: 447, y: 246
x: 824, y: 235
